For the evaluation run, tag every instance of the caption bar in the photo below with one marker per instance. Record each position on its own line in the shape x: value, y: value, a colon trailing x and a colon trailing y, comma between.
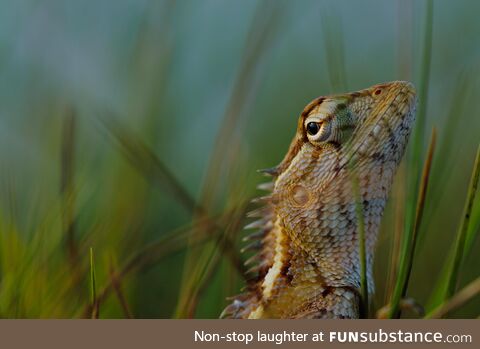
x: 379, y: 336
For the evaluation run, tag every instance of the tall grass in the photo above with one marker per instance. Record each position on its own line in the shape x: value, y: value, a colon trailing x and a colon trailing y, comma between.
x: 415, y: 158
x: 201, y: 262
x: 128, y: 165
x: 409, y: 247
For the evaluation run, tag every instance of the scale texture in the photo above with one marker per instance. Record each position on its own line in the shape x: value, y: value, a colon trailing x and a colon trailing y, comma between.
x: 343, y: 157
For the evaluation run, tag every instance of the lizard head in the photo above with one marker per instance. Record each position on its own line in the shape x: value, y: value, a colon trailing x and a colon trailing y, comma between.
x: 370, y: 123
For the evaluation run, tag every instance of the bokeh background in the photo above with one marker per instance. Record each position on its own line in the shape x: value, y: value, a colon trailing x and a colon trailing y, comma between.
x: 131, y: 131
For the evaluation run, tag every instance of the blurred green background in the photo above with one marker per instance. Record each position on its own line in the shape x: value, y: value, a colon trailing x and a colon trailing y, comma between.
x: 135, y: 128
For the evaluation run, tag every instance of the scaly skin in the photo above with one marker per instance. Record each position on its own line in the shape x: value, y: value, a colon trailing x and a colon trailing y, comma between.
x: 308, y: 264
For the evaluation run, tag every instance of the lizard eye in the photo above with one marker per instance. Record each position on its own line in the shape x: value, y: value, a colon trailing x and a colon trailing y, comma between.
x: 318, y: 131
x: 313, y: 128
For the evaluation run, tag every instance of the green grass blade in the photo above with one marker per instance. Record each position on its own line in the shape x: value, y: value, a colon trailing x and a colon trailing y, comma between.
x: 462, y: 233
x: 473, y: 228
x: 467, y: 231
x: 458, y: 106
x: 93, y: 288
x: 409, y: 244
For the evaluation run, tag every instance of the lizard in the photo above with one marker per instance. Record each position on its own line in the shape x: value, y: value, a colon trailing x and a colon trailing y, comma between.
x: 307, y: 261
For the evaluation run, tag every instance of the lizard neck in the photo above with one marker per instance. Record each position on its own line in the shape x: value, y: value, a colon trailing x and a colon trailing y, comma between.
x: 294, y: 287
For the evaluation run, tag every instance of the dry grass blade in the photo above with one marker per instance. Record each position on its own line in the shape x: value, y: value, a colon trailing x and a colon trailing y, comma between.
x: 457, y: 301
x: 408, y: 249
x: 143, y: 159
x: 405, y: 304
x: 67, y: 193
x: 147, y: 163
x: 118, y: 291
x: 462, y: 233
